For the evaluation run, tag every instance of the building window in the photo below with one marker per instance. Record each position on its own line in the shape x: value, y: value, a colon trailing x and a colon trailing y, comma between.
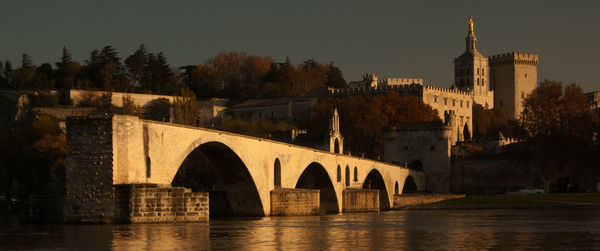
x: 339, y: 173
x: 482, y: 72
x: 467, y: 104
x: 434, y: 99
x: 477, y: 71
x: 478, y: 81
x: 445, y: 101
x: 461, y: 103
x: 454, y: 102
x: 355, y: 174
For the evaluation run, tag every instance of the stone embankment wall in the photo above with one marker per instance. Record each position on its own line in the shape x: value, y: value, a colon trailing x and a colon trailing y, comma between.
x: 404, y: 200
x: 151, y: 203
x: 360, y: 200
x: 289, y: 201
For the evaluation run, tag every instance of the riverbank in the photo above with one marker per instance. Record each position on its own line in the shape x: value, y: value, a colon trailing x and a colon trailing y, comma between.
x: 516, y: 201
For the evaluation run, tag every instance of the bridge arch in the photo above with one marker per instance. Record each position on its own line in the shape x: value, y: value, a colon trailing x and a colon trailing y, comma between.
x: 374, y: 180
x: 215, y: 168
x: 410, y: 186
x: 315, y: 176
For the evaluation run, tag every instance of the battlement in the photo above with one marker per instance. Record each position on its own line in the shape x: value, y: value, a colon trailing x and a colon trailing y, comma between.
x: 400, y: 81
x: 520, y: 58
x: 446, y: 90
x: 413, y: 88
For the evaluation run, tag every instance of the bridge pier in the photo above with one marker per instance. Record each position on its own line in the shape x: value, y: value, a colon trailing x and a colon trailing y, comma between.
x: 360, y: 200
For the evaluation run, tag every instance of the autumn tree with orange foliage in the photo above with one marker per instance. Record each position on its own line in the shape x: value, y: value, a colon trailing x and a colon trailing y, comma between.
x: 239, y: 76
x: 33, y: 158
x: 362, y: 119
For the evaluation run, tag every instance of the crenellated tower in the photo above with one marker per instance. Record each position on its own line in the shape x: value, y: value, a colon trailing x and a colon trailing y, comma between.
x: 513, y: 76
x: 471, y: 70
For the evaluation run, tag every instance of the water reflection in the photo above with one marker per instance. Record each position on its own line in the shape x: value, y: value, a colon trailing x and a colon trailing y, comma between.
x: 485, y: 229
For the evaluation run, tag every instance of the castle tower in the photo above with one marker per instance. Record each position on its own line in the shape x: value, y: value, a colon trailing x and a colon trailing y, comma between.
x: 471, y: 70
x: 513, y: 76
x: 336, y: 141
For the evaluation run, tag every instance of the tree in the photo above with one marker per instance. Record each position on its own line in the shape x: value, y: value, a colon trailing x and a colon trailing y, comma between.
x: 67, y: 71
x: 43, y: 80
x: 559, y: 128
x: 8, y: 74
x: 136, y: 65
x: 186, y: 110
x: 335, y: 78
x: 22, y: 77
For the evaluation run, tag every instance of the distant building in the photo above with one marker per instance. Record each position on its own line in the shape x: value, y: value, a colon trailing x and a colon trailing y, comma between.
x: 286, y: 109
x: 422, y: 146
x: 513, y: 78
x: 593, y: 100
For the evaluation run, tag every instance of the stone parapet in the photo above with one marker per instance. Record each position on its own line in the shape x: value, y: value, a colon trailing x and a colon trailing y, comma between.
x: 404, y: 200
x: 290, y: 202
x: 360, y: 200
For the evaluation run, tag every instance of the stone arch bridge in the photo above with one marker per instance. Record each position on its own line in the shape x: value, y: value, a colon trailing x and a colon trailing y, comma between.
x: 104, y: 153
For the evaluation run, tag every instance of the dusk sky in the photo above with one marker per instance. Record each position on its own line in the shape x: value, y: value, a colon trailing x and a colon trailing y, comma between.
x: 389, y: 38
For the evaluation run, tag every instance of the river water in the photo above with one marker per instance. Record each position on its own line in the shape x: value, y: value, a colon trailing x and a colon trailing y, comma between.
x: 429, y: 229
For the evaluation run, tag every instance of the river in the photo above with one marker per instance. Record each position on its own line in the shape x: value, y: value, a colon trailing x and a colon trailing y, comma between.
x: 428, y: 229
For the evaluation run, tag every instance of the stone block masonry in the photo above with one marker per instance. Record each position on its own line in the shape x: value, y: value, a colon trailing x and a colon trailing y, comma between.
x: 360, y: 200
x: 292, y: 202
x: 151, y: 203
x: 404, y: 200
x: 89, y: 170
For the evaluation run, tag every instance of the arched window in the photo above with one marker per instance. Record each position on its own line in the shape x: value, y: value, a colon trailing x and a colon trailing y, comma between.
x: 355, y: 174
x: 277, y: 173
x: 339, y: 174
x: 347, y: 176
x: 336, y: 147
x: 396, y: 188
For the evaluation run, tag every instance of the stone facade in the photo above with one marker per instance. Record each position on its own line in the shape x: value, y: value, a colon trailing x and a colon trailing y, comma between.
x: 360, y: 200
x: 593, y: 100
x: 289, y: 202
x: 471, y: 73
x: 151, y: 203
x: 404, y: 200
x: 286, y: 109
x: 89, y: 170
x: 425, y: 146
x: 513, y: 77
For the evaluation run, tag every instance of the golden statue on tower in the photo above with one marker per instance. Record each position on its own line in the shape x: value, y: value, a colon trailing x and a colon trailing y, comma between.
x: 471, y: 25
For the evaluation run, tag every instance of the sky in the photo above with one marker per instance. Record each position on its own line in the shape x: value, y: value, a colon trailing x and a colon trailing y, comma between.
x: 388, y: 38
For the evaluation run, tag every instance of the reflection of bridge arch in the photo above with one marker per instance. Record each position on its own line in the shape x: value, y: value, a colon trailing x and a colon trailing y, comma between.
x: 215, y: 168
x: 315, y: 176
x: 374, y: 180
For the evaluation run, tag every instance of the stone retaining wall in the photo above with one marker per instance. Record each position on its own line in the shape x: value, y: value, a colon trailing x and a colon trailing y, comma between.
x: 289, y: 201
x: 151, y: 203
x: 360, y: 200
x: 404, y: 200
